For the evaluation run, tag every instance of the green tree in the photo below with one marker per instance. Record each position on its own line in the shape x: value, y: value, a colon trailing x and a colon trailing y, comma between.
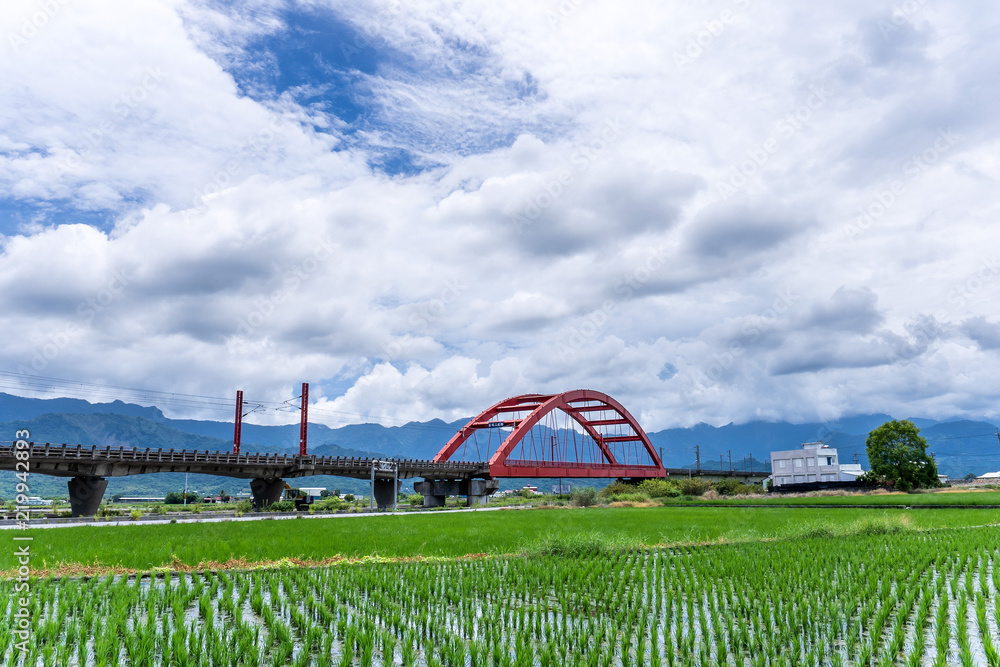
x: 177, y: 498
x: 898, y: 456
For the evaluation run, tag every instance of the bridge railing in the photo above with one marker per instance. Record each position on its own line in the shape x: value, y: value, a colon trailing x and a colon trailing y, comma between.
x: 66, y: 452
x: 521, y: 463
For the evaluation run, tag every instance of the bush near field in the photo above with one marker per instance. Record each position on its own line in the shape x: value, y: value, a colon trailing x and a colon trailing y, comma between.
x: 733, y: 487
x: 329, y: 504
x: 281, y: 506
x: 659, y: 488
x: 617, y: 489
x: 584, y: 496
x: 693, y: 487
x: 663, y: 488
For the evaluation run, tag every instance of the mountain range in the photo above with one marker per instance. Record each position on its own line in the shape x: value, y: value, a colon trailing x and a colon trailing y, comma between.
x: 960, y: 446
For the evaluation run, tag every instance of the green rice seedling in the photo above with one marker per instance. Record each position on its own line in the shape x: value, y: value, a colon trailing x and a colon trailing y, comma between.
x: 366, y: 653
x: 865, y: 652
x: 962, y: 630
x: 324, y: 657
x: 982, y: 624
x: 347, y: 649
x: 942, y: 634
x: 303, y: 659
x: 280, y: 655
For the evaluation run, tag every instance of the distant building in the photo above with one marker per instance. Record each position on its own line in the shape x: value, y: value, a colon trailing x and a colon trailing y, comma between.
x: 812, y: 462
x: 989, y: 477
x: 849, y: 472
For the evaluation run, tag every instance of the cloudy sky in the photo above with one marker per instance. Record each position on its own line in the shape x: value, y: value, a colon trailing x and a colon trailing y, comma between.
x: 713, y: 211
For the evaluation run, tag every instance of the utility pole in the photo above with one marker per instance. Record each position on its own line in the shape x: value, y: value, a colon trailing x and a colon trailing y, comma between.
x: 856, y: 457
x: 721, y: 468
x: 238, y: 428
x: 730, y: 460
x: 304, y: 424
x: 697, y: 458
x: 751, y: 463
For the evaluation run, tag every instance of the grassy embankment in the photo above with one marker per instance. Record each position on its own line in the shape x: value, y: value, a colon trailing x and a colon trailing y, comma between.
x: 144, y: 548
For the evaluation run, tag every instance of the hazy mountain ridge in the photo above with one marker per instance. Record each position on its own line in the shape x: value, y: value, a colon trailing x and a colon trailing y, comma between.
x: 18, y: 408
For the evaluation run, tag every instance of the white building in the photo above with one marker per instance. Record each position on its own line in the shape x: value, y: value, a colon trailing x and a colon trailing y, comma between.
x: 812, y: 462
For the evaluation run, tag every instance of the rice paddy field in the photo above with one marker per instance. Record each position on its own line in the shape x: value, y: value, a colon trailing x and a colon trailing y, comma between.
x: 94, y: 549
x: 879, y: 589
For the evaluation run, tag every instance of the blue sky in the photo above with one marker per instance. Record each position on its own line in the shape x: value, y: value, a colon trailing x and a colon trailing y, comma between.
x: 322, y: 62
x: 714, y: 211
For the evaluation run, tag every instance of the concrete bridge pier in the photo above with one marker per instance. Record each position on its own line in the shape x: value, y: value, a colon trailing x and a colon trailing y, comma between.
x: 266, y: 491
x: 385, y: 495
x: 435, y: 491
x: 86, y: 494
x: 480, y: 490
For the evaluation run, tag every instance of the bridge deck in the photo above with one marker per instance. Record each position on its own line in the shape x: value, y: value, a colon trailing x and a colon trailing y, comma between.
x: 79, y: 461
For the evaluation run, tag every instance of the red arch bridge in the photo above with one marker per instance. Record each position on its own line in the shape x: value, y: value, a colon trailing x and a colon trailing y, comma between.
x: 575, y: 434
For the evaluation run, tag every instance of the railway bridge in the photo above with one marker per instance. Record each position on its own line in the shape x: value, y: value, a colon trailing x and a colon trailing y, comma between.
x: 575, y: 434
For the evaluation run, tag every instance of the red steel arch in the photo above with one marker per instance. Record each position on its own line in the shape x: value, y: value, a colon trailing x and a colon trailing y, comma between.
x: 579, y: 404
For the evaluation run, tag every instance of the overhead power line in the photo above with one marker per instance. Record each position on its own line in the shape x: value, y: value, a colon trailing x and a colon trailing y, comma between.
x: 92, y: 390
